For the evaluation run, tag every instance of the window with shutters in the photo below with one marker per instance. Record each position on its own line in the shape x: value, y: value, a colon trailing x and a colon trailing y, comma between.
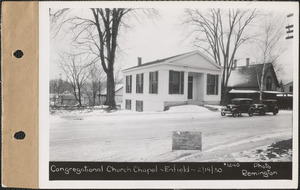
x: 139, y: 83
x: 128, y: 104
x: 128, y: 84
x: 139, y: 105
x: 176, y: 82
x: 153, y: 82
x: 212, y: 84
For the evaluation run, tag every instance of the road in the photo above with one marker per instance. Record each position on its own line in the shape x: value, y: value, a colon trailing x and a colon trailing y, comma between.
x: 147, y: 137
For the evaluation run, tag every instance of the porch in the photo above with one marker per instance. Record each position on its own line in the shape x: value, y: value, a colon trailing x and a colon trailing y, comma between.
x: 195, y: 88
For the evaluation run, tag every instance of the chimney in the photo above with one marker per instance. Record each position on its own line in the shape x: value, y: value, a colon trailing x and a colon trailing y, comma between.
x: 247, y: 62
x: 139, y: 61
x: 234, y: 64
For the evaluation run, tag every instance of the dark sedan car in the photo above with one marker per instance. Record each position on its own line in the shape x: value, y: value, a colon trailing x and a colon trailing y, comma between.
x: 238, y: 106
x: 266, y: 105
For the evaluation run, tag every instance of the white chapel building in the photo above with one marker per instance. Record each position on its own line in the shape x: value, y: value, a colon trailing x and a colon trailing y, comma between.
x: 189, y: 78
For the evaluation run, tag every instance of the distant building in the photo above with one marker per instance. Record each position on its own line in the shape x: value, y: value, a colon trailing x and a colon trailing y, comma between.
x: 67, y: 99
x: 285, y: 100
x: 189, y: 78
x: 288, y: 88
x: 244, y: 81
x: 118, y: 94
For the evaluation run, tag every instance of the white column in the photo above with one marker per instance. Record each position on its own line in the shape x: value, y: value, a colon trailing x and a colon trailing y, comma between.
x: 185, y: 91
x: 146, y: 83
x: 204, y: 84
x: 163, y: 84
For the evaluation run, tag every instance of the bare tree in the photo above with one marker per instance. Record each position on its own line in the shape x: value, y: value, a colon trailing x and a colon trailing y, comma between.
x: 75, y: 67
x: 96, y: 79
x: 118, y: 76
x: 58, y: 86
x: 98, y: 34
x: 220, y: 34
x: 269, y: 45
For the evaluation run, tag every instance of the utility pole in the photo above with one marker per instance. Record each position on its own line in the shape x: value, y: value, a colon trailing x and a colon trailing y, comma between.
x: 289, y: 28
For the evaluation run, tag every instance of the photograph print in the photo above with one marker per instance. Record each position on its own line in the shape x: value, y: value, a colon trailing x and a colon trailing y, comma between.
x: 151, y: 85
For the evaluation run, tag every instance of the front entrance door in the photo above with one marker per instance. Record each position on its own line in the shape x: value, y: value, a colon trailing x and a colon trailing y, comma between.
x: 190, y: 87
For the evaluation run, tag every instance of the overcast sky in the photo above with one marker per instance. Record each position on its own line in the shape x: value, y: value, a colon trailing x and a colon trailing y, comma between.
x: 162, y: 37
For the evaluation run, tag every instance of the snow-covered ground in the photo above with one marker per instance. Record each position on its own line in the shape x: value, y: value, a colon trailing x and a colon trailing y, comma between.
x: 123, y: 135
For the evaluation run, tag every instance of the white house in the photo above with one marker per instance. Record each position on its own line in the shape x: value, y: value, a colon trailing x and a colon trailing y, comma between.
x: 189, y: 78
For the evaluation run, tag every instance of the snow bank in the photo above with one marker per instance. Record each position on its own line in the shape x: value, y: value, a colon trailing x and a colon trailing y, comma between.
x: 187, y: 108
x: 191, y: 111
x: 216, y: 107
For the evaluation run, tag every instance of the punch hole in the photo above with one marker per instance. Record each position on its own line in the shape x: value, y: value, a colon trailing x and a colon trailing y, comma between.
x: 18, y: 54
x: 20, y: 135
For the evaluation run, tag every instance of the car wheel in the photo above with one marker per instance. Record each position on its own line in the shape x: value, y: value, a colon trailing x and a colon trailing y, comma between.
x: 223, y: 114
x: 250, y: 112
x: 235, y: 113
x: 275, y: 111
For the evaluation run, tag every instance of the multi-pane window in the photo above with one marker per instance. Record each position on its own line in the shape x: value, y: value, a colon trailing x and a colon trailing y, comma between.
x: 139, y: 105
x: 128, y: 84
x: 176, y: 82
x: 269, y: 83
x: 212, y: 84
x: 153, y: 82
x: 128, y: 104
x: 291, y: 89
x: 139, y: 83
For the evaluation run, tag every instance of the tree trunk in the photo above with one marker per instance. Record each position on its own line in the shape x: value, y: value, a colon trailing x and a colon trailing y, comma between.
x: 110, y: 94
x: 94, y: 98
x: 79, y: 97
x: 262, y: 82
x: 224, y: 96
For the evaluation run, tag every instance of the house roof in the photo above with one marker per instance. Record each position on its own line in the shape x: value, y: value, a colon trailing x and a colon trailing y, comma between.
x: 289, y: 83
x: 250, y: 76
x: 117, y: 88
x: 173, y: 57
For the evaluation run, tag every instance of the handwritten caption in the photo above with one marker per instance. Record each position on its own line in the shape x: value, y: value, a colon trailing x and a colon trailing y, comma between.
x: 136, y: 169
x: 169, y: 171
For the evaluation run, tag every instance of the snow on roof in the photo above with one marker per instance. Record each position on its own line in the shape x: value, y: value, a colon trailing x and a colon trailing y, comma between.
x: 249, y: 76
x: 284, y: 95
x: 252, y: 91
x: 272, y: 92
x: 243, y: 91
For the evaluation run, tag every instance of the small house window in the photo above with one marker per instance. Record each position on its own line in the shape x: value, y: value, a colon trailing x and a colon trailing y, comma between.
x: 128, y: 84
x: 139, y: 83
x: 291, y: 89
x: 153, y: 82
x: 139, y: 105
x: 269, y: 83
x: 212, y: 84
x: 176, y: 82
x: 128, y: 104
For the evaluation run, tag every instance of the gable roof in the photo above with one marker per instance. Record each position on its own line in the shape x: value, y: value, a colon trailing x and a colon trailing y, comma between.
x: 290, y: 83
x: 171, y: 58
x: 250, y: 76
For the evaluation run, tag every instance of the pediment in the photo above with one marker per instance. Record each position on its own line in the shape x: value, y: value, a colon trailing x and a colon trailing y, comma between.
x: 195, y: 60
